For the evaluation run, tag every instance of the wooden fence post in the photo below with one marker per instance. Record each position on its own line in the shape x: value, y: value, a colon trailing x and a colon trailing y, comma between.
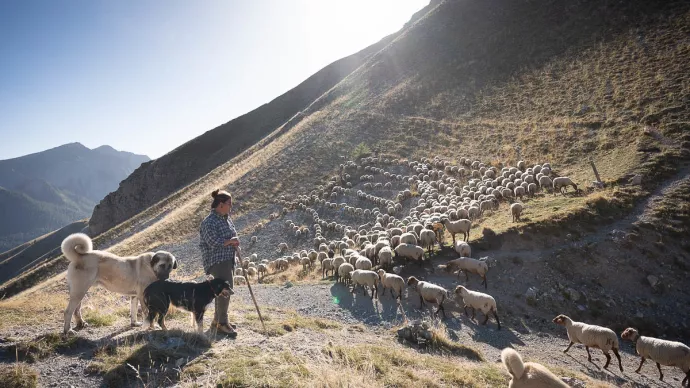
x: 596, y: 173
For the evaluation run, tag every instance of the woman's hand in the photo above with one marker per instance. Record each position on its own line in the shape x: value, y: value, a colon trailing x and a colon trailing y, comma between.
x: 235, y: 242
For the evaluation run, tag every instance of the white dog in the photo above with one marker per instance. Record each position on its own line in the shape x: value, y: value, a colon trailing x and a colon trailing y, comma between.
x: 123, y: 275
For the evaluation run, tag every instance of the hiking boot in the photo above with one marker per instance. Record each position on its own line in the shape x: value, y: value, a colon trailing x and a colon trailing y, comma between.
x: 226, y: 329
x: 214, y: 323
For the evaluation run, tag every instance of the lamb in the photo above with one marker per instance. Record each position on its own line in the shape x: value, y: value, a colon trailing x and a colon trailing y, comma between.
x: 478, y: 301
x: 561, y: 184
x: 429, y: 292
x: 469, y: 265
x: 516, y: 211
x: 528, y: 374
x: 327, y: 265
x: 306, y: 263
x: 427, y: 239
x: 251, y: 271
x: 663, y: 352
x: 344, y: 271
x: 463, y: 249
x: 392, y: 281
x: 410, y: 251
x: 591, y: 336
x: 460, y: 226
x: 365, y: 278
x: 281, y: 264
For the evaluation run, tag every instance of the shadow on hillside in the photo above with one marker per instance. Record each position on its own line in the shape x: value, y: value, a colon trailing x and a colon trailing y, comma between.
x: 48, y: 345
x: 155, y: 359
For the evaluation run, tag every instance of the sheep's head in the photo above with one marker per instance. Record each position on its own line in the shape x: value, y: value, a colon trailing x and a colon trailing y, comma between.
x: 630, y: 334
x: 381, y: 273
x: 560, y: 320
x: 412, y: 281
x: 460, y: 290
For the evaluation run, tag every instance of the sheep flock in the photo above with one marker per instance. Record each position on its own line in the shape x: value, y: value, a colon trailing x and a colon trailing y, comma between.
x: 377, y: 217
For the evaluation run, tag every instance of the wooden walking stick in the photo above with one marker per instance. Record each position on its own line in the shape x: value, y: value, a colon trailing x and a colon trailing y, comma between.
x: 246, y: 278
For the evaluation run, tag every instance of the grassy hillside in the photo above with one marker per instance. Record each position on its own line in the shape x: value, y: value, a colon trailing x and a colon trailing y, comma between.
x: 565, y: 82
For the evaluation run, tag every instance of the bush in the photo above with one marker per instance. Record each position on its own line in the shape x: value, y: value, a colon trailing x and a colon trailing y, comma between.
x: 361, y: 151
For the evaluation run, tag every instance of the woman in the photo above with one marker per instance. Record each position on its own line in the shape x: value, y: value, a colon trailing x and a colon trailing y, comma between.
x: 219, y: 243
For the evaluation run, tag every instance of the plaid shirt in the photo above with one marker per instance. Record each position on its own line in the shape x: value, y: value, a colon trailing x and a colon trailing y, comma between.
x: 214, y: 230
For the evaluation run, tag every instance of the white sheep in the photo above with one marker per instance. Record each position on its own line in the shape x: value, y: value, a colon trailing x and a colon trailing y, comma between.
x: 410, y: 251
x: 478, y: 301
x: 561, y: 184
x: 363, y: 263
x: 239, y: 272
x: 469, y: 265
x: 344, y: 271
x: 252, y: 271
x: 516, y: 211
x: 306, y: 263
x: 429, y: 292
x: 427, y: 239
x: 528, y: 374
x: 282, y: 247
x: 545, y: 182
x: 386, y: 257
x: 281, y: 264
x: 365, y: 278
x: 327, y: 265
x: 590, y: 336
x: 463, y: 249
x: 459, y: 226
x: 663, y: 352
x: 392, y: 281
x: 408, y: 238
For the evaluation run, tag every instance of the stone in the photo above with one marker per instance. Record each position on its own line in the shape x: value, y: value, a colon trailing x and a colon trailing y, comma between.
x: 531, y: 293
x: 653, y: 280
x: 636, y: 179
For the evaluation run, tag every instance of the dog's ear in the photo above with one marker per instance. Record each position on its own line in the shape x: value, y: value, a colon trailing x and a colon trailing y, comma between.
x: 155, y: 259
x: 174, y: 263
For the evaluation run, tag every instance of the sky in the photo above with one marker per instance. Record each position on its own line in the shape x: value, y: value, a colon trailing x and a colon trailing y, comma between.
x: 146, y: 76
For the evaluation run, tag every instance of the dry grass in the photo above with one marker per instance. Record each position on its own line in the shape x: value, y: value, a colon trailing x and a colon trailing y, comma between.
x: 295, y: 273
x: 43, y: 346
x: 278, y: 321
x: 18, y: 375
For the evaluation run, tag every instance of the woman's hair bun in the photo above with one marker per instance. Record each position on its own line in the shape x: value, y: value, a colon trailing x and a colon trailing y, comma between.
x: 214, y: 193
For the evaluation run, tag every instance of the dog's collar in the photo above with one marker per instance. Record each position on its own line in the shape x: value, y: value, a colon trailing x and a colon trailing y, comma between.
x: 212, y: 290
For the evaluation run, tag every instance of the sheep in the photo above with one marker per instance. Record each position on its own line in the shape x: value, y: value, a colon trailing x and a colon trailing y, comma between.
x: 365, y: 278
x: 363, y: 263
x: 460, y: 226
x: 344, y: 271
x: 528, y: 374
x: 306, y: 263
x: 410, y: 251
x: 463, y: 249
x: 282, y: 247
x: 469, y: 265
x: 516, y: 211
x: 591, y: 336
x: 239, y: 272
x: 392, y: 281
x: 238, y: 279
x: 281, y: 264
x: 478, y: 301
x: 663, y: 352
x: 408, y: 238
x: 386, y: 257
x: 427, y: 239
x: 429, y: 292
x: 561, y: 184
x: 263, y: 269
x: 545, y: 182
x: 254, y: 239
x: 327, y: 265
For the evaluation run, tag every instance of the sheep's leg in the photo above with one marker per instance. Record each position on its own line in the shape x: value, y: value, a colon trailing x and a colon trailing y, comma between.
x: 467, y: 276
x: 661, y: 374
x: 440, y: 308
x: 608, y: 359
x: 640, y: 367
x: 474, y: 312
x: 589, y: 355
x: 497, y: 320
x: 486, y: 286
x: 618, y: 356
x: 568, y: 348
x: 376, y: 288
x: 486, y: 319
x: 465, y: 308
x: 384, y: 291
x: 686, y: 379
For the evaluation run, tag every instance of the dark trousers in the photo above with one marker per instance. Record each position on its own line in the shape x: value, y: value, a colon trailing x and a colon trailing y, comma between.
x: 223, y: 270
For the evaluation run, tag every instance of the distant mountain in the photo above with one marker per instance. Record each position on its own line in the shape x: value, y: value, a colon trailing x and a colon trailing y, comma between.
x: 47, y: 190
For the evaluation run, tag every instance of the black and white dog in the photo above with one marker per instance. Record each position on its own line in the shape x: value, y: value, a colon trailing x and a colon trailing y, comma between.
x: 193, y: 297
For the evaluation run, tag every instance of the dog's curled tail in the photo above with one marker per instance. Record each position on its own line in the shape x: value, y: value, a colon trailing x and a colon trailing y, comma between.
x: 513, y: 362
x: 75, y: 245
